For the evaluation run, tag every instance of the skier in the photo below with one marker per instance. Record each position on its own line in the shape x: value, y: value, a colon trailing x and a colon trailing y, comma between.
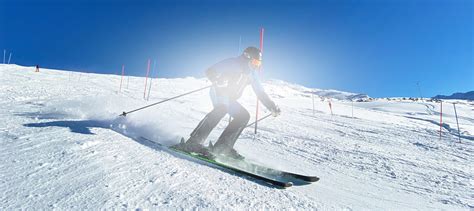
x: 229, y: 79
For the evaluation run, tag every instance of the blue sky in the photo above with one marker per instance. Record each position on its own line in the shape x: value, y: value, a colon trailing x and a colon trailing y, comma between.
x: 381, y: 48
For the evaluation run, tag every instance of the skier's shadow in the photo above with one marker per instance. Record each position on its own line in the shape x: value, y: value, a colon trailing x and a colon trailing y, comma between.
x: 75, y: 126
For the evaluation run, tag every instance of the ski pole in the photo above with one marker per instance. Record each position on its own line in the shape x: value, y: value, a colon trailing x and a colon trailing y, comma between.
x: 187, y: 93
x: 259, y: 120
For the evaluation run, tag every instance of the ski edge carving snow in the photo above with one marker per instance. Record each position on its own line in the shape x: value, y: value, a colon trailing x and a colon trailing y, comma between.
x: 270, y: 181
x: 273, y: 182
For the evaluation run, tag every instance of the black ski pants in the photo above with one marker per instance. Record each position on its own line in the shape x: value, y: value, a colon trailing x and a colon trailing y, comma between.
x: 240, y: 118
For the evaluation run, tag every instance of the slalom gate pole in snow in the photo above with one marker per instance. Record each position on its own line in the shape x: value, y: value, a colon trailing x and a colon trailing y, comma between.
x: 352, y: 105
x: 440, y: 119
x: 419, y: 90
x: 146, y: 79
x: 240, y: 43
x: 330, y: 106
x: 261, y: 50
x: 456, y: 114
x: 151, y: 79
x: 4, y: 52
x: 121, y: 79
x: 128, y: 81
x: 259, y: 120
x: 238, y: 53
x: 172, y: 98
x: 9, y: 58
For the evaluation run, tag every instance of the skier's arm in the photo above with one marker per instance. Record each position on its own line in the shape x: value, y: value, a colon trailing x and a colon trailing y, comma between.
x: 212, y: 74
x: 215, y: 72
x: 260, y: 92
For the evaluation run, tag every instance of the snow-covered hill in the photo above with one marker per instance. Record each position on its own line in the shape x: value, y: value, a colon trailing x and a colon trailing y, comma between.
x: 63, y: 146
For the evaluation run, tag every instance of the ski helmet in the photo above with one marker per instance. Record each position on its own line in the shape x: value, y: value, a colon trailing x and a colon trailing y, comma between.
x: 253, y: 53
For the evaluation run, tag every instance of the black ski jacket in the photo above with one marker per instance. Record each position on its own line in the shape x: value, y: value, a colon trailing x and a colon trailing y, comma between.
x: 231, y: 76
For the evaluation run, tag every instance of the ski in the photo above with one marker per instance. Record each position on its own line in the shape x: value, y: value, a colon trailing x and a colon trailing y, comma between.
x: 262, y: 177
x: 290, y: 176
x: 301, y: 177
x: 263, y: 170
x: 274, y: 182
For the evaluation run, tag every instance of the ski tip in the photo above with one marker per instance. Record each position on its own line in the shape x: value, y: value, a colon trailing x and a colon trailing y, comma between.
x: 309, y: 178
x: 302, y: 177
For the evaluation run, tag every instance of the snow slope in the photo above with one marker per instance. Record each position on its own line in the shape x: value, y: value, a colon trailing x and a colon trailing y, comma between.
x: 63, y: 146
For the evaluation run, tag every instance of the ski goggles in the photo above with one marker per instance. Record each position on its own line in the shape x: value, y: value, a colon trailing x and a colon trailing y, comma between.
x: 256, y: 62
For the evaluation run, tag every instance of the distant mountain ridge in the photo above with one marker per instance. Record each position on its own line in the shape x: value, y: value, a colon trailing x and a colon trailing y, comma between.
x: 458, y: 95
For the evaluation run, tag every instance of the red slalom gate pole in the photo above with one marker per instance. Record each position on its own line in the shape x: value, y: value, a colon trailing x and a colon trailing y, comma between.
x: 262, y: 30
x: 121, y: 79
x: 146, y: 78
x: 440, y: 119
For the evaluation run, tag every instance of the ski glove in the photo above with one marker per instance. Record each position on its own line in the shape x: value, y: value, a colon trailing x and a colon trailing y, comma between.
x: 275, y: 111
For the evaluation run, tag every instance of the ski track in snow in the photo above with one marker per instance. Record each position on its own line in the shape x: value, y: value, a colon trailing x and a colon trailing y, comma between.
x: 59, y: 149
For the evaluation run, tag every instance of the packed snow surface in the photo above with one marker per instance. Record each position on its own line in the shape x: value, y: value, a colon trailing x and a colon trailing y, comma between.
x: 64, y: 146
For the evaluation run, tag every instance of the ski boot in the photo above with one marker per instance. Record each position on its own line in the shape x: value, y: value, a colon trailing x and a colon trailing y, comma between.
x: 193, y: 147
x: 232, y: 153
x: 227, y: 153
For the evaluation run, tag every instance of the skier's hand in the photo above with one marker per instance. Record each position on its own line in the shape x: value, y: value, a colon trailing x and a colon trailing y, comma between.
x: 275, y: 111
